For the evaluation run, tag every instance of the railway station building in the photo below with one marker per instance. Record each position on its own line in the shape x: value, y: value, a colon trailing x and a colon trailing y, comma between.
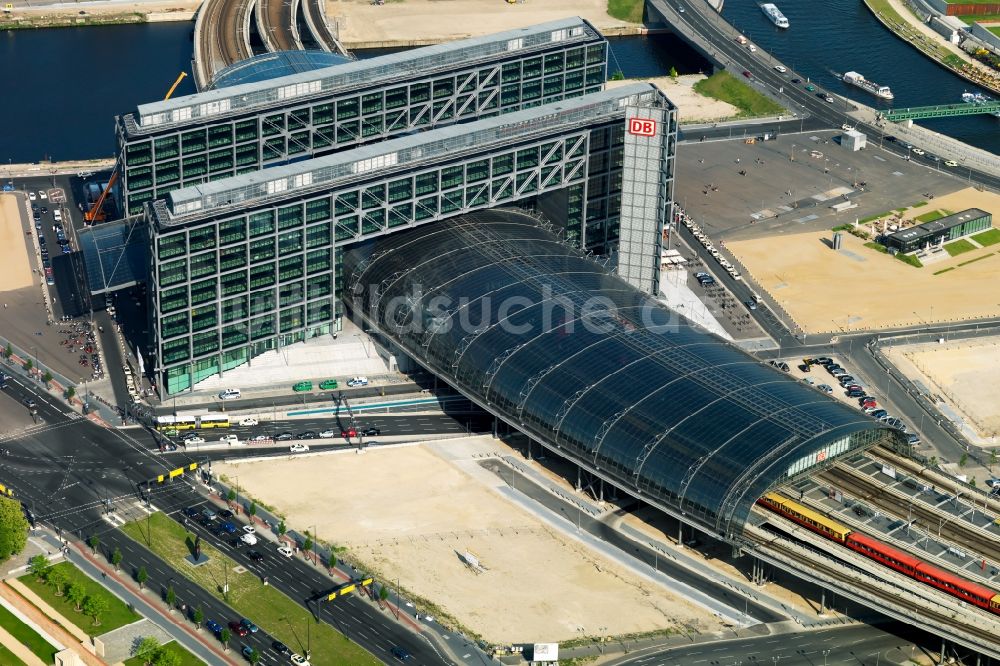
x: 252, y: 263
x: 244, y: 123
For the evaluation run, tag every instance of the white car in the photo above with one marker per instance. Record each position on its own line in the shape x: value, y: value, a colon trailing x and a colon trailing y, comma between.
x: 250, y: 529
x: 751, y: 48
x: 194, y: 440
x: 780, y: 68
x: 299, y: 448
x: 918, y: 151
x: 42, y: 195
x: 32, y: 197
x: 229, y: 439
x: 249, y: 421
x: 846, y: 127
x: 299, y: 660
x: 951, y: 163
x: 358, y: 381
x: 286, y: 551
x: 249, y: 539
x: 328, y: 433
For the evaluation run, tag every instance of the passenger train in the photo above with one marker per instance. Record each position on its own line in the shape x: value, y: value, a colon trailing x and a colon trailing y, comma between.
x: 874, y: 549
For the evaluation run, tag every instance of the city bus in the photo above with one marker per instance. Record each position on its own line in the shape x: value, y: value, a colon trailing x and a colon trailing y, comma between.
x: 175, y: 423
x: 213, y: 421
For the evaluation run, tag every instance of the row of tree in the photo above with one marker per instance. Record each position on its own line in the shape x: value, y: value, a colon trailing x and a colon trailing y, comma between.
x: 58, y: 579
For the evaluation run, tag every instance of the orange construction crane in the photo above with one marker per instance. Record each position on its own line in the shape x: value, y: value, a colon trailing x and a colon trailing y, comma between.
x: 96, y: 212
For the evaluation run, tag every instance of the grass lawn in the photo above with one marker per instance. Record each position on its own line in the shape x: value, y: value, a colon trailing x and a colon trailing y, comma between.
x: 8, y: 657
x: 878, y: 247
x: 187, y: 659
x: 988, y: 237
x: 931, y: 216
x: 959, y: 246
x: 27, y: 637
x: 725, y: 87
x: 267, y: 607
x: 117, y: 615
x: 877, y: 216
x: 909, y: 259
x: 626, y: 10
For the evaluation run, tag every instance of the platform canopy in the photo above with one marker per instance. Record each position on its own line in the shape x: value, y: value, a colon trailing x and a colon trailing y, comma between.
x: 552, y: 342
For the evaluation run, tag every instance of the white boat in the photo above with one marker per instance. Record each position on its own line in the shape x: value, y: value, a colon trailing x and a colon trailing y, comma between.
x: 772, y: 12
x: 856, y: 79
x: 977, y: 99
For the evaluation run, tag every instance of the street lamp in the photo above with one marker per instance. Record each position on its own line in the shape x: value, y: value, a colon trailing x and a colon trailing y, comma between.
x: 826, y: 653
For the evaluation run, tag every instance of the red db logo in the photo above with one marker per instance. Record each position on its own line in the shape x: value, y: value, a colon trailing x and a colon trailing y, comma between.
x: 642, y: 127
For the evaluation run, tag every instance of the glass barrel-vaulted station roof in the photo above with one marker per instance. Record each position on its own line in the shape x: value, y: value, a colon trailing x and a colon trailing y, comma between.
x: 550, y: 341
x: 269, y: 66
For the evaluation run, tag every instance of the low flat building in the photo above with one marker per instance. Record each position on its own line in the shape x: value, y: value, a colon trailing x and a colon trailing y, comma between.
x: 940, y: 231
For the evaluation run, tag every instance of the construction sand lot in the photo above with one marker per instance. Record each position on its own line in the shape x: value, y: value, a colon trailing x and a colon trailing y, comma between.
x: 409, y: 512
x: 857, y: 288
x: 431, y: 21
x: 16, y: 273
x: 965, y: 373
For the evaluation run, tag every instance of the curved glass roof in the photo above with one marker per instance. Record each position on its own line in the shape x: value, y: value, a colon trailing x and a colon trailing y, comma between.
x: 268, y: 66
x: 569, y: 353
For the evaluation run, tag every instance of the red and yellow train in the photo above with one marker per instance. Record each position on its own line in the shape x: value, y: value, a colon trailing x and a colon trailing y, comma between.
x: 973, y: 593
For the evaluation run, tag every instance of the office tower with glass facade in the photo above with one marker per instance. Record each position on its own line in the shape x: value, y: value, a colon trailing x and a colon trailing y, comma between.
x: 227, y: 131
x: 252, y: 263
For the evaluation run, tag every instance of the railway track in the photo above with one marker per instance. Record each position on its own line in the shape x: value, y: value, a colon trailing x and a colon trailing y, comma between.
x: 276, y: 22
x: 220, y: 37
x: 958, y: 532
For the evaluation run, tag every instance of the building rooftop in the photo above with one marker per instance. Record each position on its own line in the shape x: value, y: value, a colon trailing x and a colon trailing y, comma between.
x: 270, y: 66
x: 939, y: 225
x: 595, y: 369
x: 405, y: 64
x: 190, y: 203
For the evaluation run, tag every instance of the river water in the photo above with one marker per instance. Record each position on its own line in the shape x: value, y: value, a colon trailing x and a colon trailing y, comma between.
x: 66, y: 85
x: 841, y: 36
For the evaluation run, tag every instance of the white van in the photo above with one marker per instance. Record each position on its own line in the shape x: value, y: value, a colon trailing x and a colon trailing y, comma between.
x: 358, y: 381
x: 229, y: 394
x: 229, y: 439
x: 57, y: 214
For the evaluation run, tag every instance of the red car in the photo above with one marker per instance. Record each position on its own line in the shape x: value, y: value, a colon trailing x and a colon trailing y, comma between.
x: 348, y: 433
x: 747, y: 74
x: 238, y: 629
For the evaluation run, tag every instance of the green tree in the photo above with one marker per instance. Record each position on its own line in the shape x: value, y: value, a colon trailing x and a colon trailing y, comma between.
x: 13, y: 528
x: 76, y: 593
x: 993, y: 458
x: 94, y: 541
x: 308, y: 543
x: 28, y: 365
x: 39, y: 566
x: 383, y: 593
x: 94, y: 607
x: 116, y: 557
x: 281, y: 528
x: 57, y: 579
x: 70, y: 392
x: 165, y: 657
x: 932, y: 462
x: 673, y: 73
x: 964, y: 460
x: 231, y: 495
x: 8, y: 351
x: 254, y: 656
x: 141, y: 576
x: 224, y: 637
x: 972, y: 482
x: 171, y: 597
x: 252, y: 510
x: 47, y: 377
x: 198, y: 616
x: 146, y: 649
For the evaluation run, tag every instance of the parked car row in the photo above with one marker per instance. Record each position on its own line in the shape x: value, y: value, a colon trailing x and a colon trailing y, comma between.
x: 707, y: 244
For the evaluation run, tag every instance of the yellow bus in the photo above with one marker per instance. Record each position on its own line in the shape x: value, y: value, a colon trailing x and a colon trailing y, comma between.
x: 175, y: 423
x: 213, y: 421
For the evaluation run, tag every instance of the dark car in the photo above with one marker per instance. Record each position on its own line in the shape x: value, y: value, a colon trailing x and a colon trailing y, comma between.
x: 204, y: 521
x: 400, y: 653
x: 891, y: 139
x: 249, y: 626
x: 747, y: 74
x: 192, y: 512
x: 228, y: 527
x: 284, y: 437
x: 236, y: 543
x: 213, y: 626
x: 238, y: 629
x: 44, y: 210
x: 255, y: 555
x: 247, y: 652
x: 371, y: 431
x: 855, y: 393
x: 225, y: 514
x: 879, y: 413
x: 845, y: 379
x: 796, y: 80
x: 308, y: 434
x: 280, y: 647
x: 41, y: 240
x: 30, y: 403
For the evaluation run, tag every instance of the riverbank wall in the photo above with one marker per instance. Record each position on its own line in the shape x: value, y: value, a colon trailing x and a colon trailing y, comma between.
x: 951, y: 62
x: 76, y: 19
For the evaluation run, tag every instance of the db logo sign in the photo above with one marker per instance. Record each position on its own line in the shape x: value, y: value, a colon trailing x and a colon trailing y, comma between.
x: 642, y: 127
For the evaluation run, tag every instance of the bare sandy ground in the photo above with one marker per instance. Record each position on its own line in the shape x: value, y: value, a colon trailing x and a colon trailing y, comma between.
x: 182, y: 9
x: 409, y: 513
x: 858, y: 288
x: 691, y: 105
x: 966, y: 374
x: 442, y: 20
x: 16, y: 273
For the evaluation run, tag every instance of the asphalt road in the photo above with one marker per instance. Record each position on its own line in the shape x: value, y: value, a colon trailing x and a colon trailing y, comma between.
x: 67, y: 470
